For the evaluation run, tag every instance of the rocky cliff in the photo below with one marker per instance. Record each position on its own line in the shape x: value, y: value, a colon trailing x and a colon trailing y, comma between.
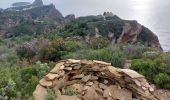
x: 46, y: 16
x: 96, y: 80
x: 117, y: 30
x: 20, y: 6
x: 37, y: 3
x: 108, y: 25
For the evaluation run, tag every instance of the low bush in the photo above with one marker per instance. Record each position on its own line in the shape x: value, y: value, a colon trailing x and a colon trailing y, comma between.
x: 42, y: 69
x: 162, y: 80
x: 148, y: 68
x: 72, y: 46
x: 135, y: 51
x: 30, y: 86
x: 165, y: 58
x: 53, y: 52
x: 99, y: 42
x: 51, y: 95
x: 26, y: 51
x: 151, y: 54
x: 154, y: 70
x: 113, y: 55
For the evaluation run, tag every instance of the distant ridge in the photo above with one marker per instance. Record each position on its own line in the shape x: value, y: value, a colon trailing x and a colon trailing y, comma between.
x: 38, y: 3
x: 19, y: 6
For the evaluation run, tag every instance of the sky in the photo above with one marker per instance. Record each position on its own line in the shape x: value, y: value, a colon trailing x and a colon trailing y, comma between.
x: 77, y: 7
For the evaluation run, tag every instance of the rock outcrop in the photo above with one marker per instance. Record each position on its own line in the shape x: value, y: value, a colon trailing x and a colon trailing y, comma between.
x: 117, y: 30
x: 108, y: 25
x: 108, y: 14
x: 11, y: 20
x: 95, y: 80
x: 37, y: 3
x: 70, y: 18
x: 20, y: 6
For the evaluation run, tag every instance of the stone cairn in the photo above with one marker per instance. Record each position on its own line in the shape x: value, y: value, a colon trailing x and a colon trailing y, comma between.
x: 94, y: 80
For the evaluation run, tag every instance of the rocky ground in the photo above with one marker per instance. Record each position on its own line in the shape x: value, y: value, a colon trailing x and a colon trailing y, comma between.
x: 96, y: 80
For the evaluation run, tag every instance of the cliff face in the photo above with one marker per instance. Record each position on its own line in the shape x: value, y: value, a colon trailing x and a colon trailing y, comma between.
x: 115, y: 29
x: 37, y: 3
x: 95, y: 80
x: 20, y: 6
x: 42, y: 16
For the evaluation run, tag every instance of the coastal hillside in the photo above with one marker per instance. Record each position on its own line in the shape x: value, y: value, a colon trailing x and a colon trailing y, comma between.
x: 35, y: 37
x: 47, y: 19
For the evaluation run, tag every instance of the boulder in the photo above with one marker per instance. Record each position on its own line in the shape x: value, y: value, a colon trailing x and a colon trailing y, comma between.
x: 162, y: 94
x: 40, y: 93
x: 45, y: 83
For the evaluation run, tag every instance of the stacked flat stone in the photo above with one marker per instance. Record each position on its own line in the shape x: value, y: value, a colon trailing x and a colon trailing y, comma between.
x: 94, y: 80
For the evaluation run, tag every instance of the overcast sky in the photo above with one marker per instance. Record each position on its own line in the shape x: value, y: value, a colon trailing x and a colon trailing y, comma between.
x: 78, y: 7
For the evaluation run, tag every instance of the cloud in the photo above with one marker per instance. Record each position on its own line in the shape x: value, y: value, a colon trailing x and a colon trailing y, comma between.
x: 80, y: 7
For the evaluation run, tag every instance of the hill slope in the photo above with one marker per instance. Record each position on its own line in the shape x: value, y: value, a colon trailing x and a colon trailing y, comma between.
x: 47, y: 19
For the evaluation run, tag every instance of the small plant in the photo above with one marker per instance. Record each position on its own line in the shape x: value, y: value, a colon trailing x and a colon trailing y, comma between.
x: 51, y: 95
x: 99, y: 42
x: 27, y: 73
x: 134, y: 51
x: 9, y: 91
x: 42, y: 69
x: 26, y: 51
x: 72, y: 46
x: 113, y: 55
x: 162, y: 80
x: 69, y: 91
x: 30, y: 85
x: 148, y: 68
x: 150, y: 54
x: 154, y: 70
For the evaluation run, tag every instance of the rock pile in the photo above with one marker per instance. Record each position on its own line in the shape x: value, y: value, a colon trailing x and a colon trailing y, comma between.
x: 93, y: 80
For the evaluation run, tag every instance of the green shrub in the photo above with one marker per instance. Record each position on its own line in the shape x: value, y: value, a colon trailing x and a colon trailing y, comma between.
x: 162, y: 80
x: 30, y: 86
x: 27, y: 73
x: 116, y: 57
x: 99, y: 42
x: 135, y: 51
x: 26, y: 51
x: 154, y: 70
x: 11, y: 88
x: 151, y: 54
x: 11, y: 59
x: 165, y: 58
x: 69, y: 91
x: 4, y: 76
x: 148, y: 68
x: 54, y: 51
x: 51, y: 95
x: 113, y: 55
x: 42, y: 69
x: 72, y: 46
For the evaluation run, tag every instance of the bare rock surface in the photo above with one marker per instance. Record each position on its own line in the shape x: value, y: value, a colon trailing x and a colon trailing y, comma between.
x: 40, y: 93
x: 96, y: 80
